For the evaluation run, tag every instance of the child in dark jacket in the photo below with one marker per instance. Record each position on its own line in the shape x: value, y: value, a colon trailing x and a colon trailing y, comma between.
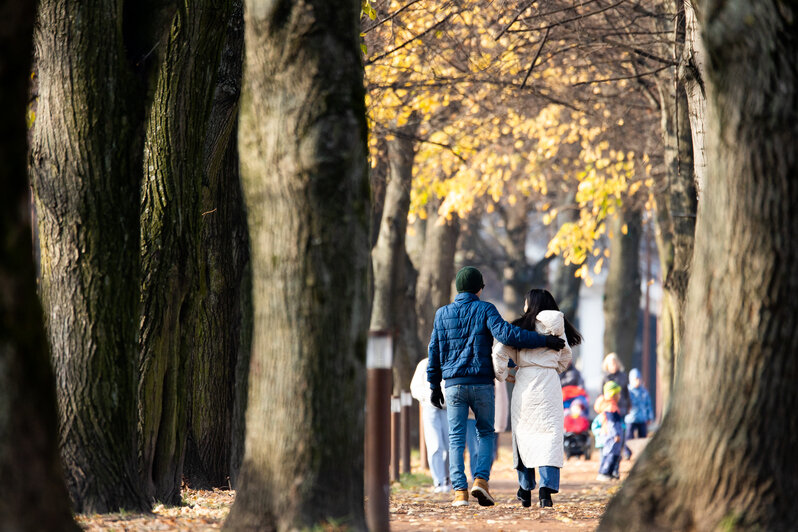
x: 611, y: 433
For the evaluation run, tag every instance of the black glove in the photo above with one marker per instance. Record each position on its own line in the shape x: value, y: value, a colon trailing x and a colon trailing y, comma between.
x: 555, y: 342
x: 437, y: 397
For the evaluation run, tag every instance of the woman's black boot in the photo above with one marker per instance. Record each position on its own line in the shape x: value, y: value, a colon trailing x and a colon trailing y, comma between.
x: 545, y: 497
x: 525, y: 496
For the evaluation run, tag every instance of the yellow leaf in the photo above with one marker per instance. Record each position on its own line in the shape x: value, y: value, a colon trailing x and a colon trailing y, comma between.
x: 597, y: 267
x: 625, y: 229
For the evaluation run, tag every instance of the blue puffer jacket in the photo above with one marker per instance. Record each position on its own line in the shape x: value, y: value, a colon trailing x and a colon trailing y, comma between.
x: 462, y: 339
x: 641, y: 411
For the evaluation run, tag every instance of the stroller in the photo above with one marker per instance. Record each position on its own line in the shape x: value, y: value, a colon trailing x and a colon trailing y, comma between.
x: 577, y: 444
x: 577, y: 439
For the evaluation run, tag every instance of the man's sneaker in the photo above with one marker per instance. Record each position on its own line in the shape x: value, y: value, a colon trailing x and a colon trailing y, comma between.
x: 603, y: 478
x: 525, y: 496
x: 481, y: 493
x: 460, y: 498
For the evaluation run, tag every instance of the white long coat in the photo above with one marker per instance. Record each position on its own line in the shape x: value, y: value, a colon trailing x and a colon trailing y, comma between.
x: 537, y: 408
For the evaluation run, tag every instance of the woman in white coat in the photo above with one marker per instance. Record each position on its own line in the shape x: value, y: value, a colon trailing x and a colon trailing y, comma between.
x: 536, y: 411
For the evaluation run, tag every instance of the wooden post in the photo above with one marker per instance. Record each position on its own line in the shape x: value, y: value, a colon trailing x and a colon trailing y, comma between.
x: 396, y: 409
x: 406, y: 401
x: 378, y: 430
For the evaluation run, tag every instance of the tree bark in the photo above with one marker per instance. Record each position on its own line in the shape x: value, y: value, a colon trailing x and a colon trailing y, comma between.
x: 392, y: 269
x: 622, y: 290
x: 723, y: 458
x: 567, y: 284
x: 305, y: 178
x: 36, y: 498
x: 518, y: 274
x: 174, y: 156
x: 224, y: 252
x: 692, y: 73
x: 85, y: 161
x: 240, y: 391
x: 436, y: 274
x: 676, y: 204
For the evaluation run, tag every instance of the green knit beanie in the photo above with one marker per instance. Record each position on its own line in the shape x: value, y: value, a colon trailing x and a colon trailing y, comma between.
x: 469, y: 279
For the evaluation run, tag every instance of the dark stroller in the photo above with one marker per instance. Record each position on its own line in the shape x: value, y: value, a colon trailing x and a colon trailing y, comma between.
x: 577, y: 444
x: 577, y: 440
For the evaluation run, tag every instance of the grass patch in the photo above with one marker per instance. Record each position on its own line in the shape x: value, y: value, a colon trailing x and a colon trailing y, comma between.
x: 413, y: 480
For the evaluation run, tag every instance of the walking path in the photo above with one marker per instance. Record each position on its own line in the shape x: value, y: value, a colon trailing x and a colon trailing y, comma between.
x: 578, y: 506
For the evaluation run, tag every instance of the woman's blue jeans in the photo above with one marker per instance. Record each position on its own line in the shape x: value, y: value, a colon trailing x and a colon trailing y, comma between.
x: 480, y: 398
x: 549, y: 477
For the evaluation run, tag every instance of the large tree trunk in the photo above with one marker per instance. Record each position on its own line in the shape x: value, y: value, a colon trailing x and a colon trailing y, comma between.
x: 516, y: 225
x: 436, y: 274
x: 567, y: 284
x: 85, y: 162
x: 518, y: 274
x: 692, y: 73
x: 174, y: 157
x: 622, y: 290
x: 724, y: 457
x: 35, y: 496
x: 676, y: 205
x: 392, y: 269
x: 224, y: 252
x: 304, y: 174
x: 241, y: 389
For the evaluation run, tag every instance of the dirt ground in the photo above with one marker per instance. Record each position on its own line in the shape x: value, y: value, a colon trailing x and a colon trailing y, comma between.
x: 414, y: 507
x: 578, y: 506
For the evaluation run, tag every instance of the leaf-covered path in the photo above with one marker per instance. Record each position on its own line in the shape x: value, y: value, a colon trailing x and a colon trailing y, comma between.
x: 578, y: 506
x: 414, y: 507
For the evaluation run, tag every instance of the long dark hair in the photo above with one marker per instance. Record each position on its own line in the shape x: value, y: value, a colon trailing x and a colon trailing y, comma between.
x: 538, y: 300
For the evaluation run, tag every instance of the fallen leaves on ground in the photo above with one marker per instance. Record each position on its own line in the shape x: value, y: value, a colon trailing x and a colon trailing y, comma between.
x: 201, y: 510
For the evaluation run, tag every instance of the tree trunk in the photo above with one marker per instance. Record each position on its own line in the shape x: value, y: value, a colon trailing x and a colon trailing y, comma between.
x: 518, y: 274
x: 622, y: 290
x: 224, y: 252
x: 305, y: 178
x: 567, y: 284
x: 240, y: 391
x: 724, y: 457
x: 516, y: 224
x: 85, y: 161
x: 36, y: 497
x: 436, y: 274
x: 391, y: 267
x: 692, y: 73
x: 676, y: 205
x: 174, y: 156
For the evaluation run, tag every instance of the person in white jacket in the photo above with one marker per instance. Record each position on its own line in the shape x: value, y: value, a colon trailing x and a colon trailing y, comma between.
x: 436, y: 429
x: 536, y: 411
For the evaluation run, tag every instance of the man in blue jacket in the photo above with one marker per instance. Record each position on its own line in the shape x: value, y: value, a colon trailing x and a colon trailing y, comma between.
x: 460, y: 353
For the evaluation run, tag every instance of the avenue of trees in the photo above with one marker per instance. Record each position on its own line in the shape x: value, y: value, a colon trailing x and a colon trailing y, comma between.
x: 206, y: 206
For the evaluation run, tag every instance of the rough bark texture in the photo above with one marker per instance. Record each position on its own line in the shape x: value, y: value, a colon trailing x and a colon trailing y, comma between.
x: 240, y: 391
x: 84, y: 160
x: 224, y: 252
x: 692, y: 73
x: 622, y: 290
x: 35, y: 497
x: 676, y: 204
x: 724, y: 458
x: 436, y: 274
x: 304, y: 173
x: 393, y: 273
x: 174, y: 157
